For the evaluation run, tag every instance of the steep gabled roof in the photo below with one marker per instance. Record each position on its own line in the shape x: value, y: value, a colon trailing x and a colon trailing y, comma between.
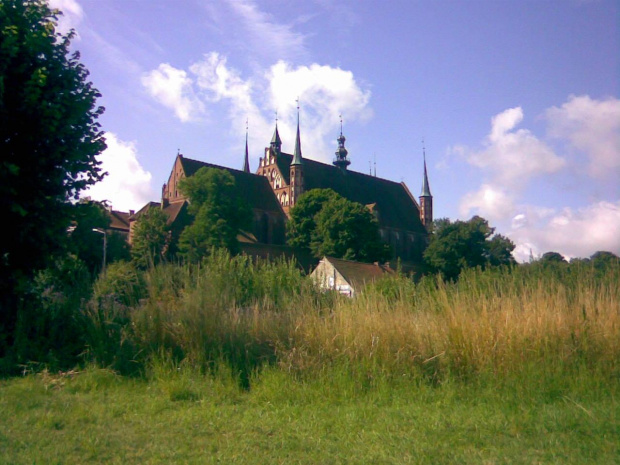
x: 396, y: 206
x: 119, y: 220
x: 356, y: 273
x: 254, y: 189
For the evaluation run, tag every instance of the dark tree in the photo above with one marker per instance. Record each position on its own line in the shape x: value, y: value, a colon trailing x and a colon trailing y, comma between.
x: 218, y: 210
x: 302, y: 224
x: 457, y: 245
x: 328, y: 224
x: 603, y: 259
x: 49, y: 137
x: 552, y: 257
x: 150, y: 242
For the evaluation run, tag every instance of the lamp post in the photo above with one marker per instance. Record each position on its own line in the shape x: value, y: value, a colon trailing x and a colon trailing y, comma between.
x: 105, y: 244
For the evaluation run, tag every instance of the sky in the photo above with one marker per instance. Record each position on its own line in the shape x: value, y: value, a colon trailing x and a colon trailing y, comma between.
x: 516, y: 104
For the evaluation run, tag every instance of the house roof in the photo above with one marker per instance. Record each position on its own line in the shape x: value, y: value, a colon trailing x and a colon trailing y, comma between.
x: 254, y: 189
x: 119, y: 220
x: 396, y: 206
x: 358, y: 274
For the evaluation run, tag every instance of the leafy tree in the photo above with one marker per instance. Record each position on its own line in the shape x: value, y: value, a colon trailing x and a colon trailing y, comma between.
x: 552, y: 257
x: 457, y: 245
x: 604, y: 259
x: 49, y: 137
x: 302, y: 224
x: 150, y: 241
x: 219, y: 213
x: 328, y: 224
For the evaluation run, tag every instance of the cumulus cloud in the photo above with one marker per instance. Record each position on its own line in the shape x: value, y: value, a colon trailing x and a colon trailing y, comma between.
x: 490, y: 202
x: 72, y: 14
x: 324, y: 93
x: 174, y: 89
x: 591, y: 127
x: 571, y: 232
x: 127, y: 185
x: 513, y: 156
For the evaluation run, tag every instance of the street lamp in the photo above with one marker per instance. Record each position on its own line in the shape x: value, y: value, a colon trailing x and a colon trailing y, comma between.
x: 105, y: 244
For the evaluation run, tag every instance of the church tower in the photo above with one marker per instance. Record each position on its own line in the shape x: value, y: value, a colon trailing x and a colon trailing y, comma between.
x: 426, y: 199
x: 297, y: 168
x: 276, y: 142
x: 341, y: 160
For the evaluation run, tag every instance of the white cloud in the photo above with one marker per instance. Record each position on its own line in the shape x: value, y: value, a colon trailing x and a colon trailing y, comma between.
x: 592, y: 127
x: 489, y: 201
x: 72, y: 14
x: 571, y: 232
x: 512, y: 156
x: 127, y: 185
x: 324, y: 92
x: 174, y: 89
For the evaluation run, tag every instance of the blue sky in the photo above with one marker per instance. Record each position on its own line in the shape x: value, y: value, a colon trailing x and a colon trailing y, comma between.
x: 518, y: 102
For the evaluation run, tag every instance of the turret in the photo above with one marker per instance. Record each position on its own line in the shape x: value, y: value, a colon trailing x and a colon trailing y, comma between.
x: 341, y: 160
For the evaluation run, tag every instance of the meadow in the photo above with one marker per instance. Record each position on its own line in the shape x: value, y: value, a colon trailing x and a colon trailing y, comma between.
x: 240, y: 362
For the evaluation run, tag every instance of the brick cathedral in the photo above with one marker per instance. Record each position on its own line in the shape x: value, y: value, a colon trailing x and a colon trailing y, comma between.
x: 280, y: 180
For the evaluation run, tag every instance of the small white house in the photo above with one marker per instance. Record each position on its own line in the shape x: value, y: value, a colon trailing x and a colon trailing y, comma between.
x: 345, y: 276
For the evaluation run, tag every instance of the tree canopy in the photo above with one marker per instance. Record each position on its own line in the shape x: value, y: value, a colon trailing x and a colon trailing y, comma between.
x: 328, y: 224
x: 466, y: 244
x: 49, y: 137
x: 218, y: 210
x: 150, y: 238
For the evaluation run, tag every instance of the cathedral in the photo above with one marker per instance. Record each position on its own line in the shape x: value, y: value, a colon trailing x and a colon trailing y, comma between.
x: 280, y: 180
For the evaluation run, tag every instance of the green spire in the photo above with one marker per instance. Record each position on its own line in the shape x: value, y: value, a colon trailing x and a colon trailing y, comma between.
x: 297, y: 160
x: 426, y: 191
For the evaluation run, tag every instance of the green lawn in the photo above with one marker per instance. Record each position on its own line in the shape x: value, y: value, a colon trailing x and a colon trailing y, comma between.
x: 98, y: 417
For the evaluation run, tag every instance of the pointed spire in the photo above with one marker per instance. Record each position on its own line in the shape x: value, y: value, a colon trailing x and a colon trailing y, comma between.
x: 246, y: 162
x: 426, y: 191
x: 297, y: 159
x: 276, y: 142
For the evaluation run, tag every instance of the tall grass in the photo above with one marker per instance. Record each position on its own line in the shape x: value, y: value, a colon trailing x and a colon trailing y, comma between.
x: 499, y: 324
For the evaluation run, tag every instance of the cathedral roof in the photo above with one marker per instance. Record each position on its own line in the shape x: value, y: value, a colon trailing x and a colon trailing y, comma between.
x: 254, y: 189
x: 396, y: 206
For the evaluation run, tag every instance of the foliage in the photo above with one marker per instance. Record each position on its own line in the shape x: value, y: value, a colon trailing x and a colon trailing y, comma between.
x: 328, y: 224
x: 49, y: 137
x: 218, y: 210
x: 455, y: 246
x: 603, y: 259
x: 552, y: 257
x: 150, y: 241
x: 87, y: 244
x: 301, y: 225
x: 49, y: 329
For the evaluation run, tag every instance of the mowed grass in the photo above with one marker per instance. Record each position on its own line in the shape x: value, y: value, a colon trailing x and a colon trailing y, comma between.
x: 181, y: 416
